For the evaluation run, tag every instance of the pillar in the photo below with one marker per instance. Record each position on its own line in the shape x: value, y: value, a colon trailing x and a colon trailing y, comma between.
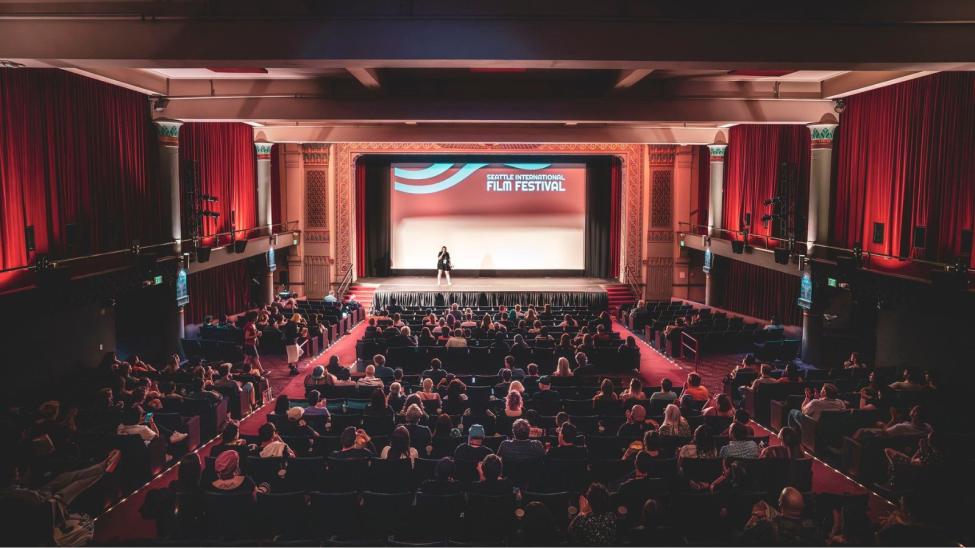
x: 707, y: 289
x: 820, y: 171
x: 293, y: 206
x: 812, y: 334
x: 716, y: 193
x: 168, y: 151
x: 269, y: 288
x: 263, y: 150
x: 181, y: 321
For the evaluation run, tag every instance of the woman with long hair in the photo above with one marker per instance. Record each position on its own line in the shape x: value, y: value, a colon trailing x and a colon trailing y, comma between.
x: 562, y: 369
x: 399, y: 446
x: 513, y: 405
x: 443, y: 265
x: 674, y: 424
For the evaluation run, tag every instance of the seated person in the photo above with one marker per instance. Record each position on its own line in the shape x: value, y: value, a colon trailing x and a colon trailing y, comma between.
x: 383, y: 371
x: 666, y: 392
x: 520, y: 447
x: 399, y: 446
x: 787, y: 527
x: 854, y: 362
x: 814, y: 407
x: 270, y: 445
x: 474, y: 450
x: 911, y: 381
x: 356, y: 444
x: 443, y: 481
x: 435, y: 372
x: 490, y: 481
x: 370, y: 379
x: 568, y: 447
x: 694, y: 388
x: 635, y: 425
x: 317, y: 406
x: 739, y: 446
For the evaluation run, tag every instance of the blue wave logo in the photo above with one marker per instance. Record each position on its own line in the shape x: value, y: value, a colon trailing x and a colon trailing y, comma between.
x: 430, y: 181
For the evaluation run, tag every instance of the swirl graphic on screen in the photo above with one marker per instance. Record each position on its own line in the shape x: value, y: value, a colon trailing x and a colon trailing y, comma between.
x: 427, y: 180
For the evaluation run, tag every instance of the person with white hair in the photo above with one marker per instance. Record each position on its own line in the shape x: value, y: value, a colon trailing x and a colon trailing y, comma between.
x: 370, y: 379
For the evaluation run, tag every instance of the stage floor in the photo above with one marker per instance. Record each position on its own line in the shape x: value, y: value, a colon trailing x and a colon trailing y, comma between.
x: 428, y: 283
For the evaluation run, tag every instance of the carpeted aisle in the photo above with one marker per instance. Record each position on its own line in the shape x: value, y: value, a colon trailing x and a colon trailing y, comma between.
x: 123, y: 523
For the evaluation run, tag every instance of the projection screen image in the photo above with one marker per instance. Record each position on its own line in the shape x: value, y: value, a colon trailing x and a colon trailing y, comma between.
x: 491, y: 216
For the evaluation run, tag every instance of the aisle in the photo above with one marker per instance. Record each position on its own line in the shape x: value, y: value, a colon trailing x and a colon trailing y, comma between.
x: 123, y: 523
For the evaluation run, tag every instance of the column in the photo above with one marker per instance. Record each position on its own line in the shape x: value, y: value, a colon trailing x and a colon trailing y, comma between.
x: 181, y: 322
x: 716, y: 194
x: 707, y: 289
x: 168, y: 139
x: 683, y: 276
x: 812, y: 334
x: 293, y: 205
x: 820, y: 171
x: 269, y: 288
x: 263, y: 150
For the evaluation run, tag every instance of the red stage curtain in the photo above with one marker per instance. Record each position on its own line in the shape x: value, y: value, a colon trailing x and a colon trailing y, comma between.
x: 760, y: 292
x: 615, y: 216
x: 360, y: 219
x: 700, y: 216
x: 905, y: 159
x: 74, y: 151
x: 219, y: 290
x: 226, y: 167
x: 754, y: 155
x: 275, y: 184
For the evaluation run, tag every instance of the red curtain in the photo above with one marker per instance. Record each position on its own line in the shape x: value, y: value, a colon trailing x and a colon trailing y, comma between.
x: 360, y: 219
x: 74, y: 151
x: 225, y: 162
x: 700, y: 216
x: 275, y: 184
x: 905, y: 159
x: 615, y: 216
x: 760, y: 292
x: 219, y: 290
x: 755, y: 153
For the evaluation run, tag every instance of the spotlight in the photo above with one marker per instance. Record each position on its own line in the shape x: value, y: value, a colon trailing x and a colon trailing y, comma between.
x: 160, y: 104
x: 839, y: 105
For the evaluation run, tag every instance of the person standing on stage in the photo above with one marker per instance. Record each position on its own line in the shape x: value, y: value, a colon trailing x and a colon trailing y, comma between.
x: 443, y: 265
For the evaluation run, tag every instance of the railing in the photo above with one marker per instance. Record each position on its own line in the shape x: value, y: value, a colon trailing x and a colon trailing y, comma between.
x: 344, y: 284
x: 258, y: 231
x: 632, y: 279
x: 687, y: 342
x: 704, y: 230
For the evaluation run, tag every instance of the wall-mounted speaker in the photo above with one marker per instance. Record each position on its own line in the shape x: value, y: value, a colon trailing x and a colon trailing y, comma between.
x: 878, y: 233
x: 240, y: 246
x: 781, y: 256
x: 29, y: 238
x: 202, y: 254
x: 737, y: 247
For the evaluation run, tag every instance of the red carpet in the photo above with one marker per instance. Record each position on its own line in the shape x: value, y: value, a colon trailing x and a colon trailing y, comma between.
x: 123, y: 522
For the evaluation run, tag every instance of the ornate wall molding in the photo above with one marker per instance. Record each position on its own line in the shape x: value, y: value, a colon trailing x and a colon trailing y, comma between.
x: 655, y: 236
x: 315, y: 154
x: 662, y: 156
x: 661, y: 198
x: 316, y: 202
x: 316, y: 236
x: 167, y: 132
x: 347, y: 153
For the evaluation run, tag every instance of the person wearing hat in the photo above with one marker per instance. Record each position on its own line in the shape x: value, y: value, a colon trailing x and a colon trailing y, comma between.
x: 318, y: 379
x: 474, y: 450
x: 567, y: 449
x: 297, y: 425
x: 229, y: 479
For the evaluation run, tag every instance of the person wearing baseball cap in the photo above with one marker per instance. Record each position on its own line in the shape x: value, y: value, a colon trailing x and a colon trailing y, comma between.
x: 474, y: 450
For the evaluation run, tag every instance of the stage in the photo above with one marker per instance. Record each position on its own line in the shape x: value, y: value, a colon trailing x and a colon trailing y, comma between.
x: 468, y: 291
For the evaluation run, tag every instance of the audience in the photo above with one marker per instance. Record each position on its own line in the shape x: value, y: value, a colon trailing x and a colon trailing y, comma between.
x: 595, y: 524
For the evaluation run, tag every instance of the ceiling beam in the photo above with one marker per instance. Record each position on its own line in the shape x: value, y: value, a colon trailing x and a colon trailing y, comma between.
x: 541, y: 110
x: 481, y: 133
x: 609, y: 43
x: 859, y: 81
x: 369, y: 78
x: 628, y: 78
x: 134, y: 79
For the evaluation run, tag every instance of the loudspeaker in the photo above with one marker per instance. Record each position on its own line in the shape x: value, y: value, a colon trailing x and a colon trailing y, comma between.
x: 71, y: 236
x: 29, y: 238
x: 202, y: 254
x: 781, y: 256
x: 920, y: 236
x: 966, y: 242
x: 878, y: 233
x: 748, y: 220
x: 240, y: 246
x: 737, y: 247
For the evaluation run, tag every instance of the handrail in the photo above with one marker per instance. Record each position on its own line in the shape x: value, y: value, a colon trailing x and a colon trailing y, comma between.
x: 690, y: 343
x: 288, y: 226
x: 344, y: 284
x: 864, y: 253
x: 633, y: 281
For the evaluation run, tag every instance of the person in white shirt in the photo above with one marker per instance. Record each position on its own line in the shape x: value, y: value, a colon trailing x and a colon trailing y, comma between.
x: 131, y: 419
x: 814, y: 407
x: 330, y: 298
x: 458, y: 340
x: 271, y: 445
x: 371, y: 380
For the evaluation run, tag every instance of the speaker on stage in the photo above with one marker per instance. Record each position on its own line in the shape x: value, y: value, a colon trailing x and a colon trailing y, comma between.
x: 737, y: 247
x: 29, y: 238
x: 781, y: 256
x: 240, y: 246
x: 202, y: 254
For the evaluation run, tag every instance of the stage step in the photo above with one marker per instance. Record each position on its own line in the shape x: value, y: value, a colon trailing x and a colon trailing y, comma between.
x: 362, y: 293
x: 618, y: 295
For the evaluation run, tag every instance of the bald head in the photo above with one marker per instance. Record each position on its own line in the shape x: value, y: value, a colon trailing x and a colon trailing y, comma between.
x: 791, y: 503
x: 638, y: 413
